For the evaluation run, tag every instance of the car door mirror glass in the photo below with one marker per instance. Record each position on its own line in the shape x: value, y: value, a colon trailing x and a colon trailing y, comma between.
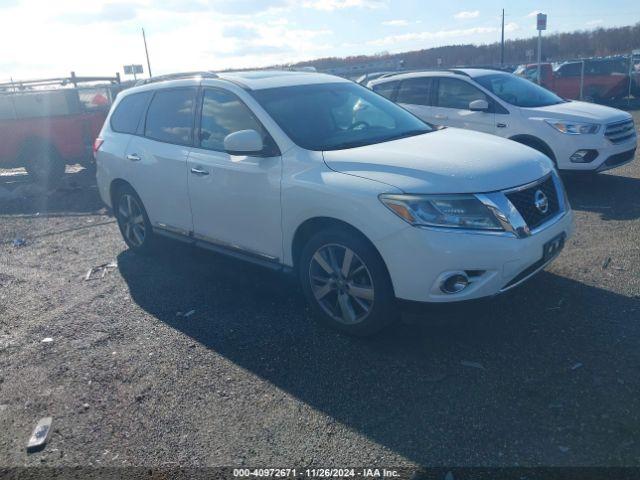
x: 479, y: 106
x: 243, y: 142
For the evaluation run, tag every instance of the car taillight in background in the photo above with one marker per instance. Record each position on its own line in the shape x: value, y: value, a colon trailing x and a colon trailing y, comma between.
x: 97, y: 143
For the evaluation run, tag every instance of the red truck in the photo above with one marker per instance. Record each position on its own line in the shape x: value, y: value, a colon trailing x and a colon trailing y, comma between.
x: 604, y: 79
x: 46, y: 124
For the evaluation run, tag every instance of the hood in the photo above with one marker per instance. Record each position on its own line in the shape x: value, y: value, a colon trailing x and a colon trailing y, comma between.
x: 580, y: 111
x: 444, y: 161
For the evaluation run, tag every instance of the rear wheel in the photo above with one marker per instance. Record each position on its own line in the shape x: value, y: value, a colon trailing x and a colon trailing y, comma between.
x: 346, y: 283
x: 133, y: 220
x: 43, y: 163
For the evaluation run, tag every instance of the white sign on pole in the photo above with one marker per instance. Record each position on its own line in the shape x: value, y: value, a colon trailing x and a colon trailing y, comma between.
x: 541, y: 21
x: 132, y: 69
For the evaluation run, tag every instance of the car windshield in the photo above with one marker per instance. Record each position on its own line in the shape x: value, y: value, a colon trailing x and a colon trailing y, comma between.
x: 334, y: 116
x: 518, y: 91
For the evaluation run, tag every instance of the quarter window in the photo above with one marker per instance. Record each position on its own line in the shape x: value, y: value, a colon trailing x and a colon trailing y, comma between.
x: 170, y: 116
x: 458, y: 94
x: 224, y: 113
x: 128, y: 113
x: 415, y: 91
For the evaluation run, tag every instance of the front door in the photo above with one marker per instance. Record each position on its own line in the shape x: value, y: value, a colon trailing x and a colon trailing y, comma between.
x: 235, y: 199
x: 452, y: 101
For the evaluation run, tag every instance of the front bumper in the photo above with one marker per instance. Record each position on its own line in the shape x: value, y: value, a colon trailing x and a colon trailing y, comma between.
x: 608, y: 153
x: 419, y: 260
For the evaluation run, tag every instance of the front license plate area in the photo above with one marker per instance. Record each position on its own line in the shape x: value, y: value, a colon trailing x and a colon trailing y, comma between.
x: 553, y: 247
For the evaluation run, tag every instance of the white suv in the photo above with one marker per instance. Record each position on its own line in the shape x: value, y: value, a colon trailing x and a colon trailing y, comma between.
x: 314, y: 174
x: 577, y: 136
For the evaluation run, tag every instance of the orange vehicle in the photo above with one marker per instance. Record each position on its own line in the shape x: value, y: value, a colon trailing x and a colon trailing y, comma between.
x: 604, y: 79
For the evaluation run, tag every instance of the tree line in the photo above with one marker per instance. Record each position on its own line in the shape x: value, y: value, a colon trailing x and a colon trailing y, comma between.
x: 556, y: 47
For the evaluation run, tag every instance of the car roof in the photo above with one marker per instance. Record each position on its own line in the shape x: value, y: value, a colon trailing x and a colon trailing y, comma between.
x: 454, y: 72
x: 248, y: 80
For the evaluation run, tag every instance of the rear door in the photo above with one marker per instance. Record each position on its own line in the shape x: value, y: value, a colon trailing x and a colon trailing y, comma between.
x: 415, y: 95
x: 451, y: 106
x: 157, y: 158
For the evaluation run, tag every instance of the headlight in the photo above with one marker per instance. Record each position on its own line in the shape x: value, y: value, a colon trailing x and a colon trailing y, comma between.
x: 451, y: 211
x: 574, y: 128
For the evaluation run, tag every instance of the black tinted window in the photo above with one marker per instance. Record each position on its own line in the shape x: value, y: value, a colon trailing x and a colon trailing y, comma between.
x: 415, y: 91
x: 128, y: 112
x: 453, y: 93
x: 570, y: 70
x: 170, y: 116
x: 386, y: 89
x: 223, y: 113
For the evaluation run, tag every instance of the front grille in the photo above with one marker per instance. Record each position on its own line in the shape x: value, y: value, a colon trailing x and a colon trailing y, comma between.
x: 620, y: 131
x: 525, y: 202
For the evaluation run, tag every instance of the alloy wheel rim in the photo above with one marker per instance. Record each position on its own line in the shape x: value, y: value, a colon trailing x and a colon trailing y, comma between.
x: 131, y: 220
x: 341, y: 284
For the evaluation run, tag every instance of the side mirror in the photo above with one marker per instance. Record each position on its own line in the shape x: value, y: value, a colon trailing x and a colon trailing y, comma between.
x: 479, y: 106
x: 243, y: 142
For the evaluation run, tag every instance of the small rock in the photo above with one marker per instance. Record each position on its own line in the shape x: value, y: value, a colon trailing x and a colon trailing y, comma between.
x: 47, y: 340
x: 477, y: 365
x: 189, y: 313
x: 19, y: 242
x: 576, y: 366
x: 85, y: 406
x: 563, y: 449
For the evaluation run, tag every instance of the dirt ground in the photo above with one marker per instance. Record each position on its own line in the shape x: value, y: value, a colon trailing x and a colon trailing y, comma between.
x: 544, y: 375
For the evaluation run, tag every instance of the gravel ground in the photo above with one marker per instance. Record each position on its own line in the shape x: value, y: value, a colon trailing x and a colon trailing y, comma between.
x: 544, y: 375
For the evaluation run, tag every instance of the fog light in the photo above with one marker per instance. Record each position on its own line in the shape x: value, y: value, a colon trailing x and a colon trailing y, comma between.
x: 454, y: 283
x: 584, y: 156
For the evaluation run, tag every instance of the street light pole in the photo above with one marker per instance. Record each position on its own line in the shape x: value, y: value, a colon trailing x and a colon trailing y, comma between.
x: 541, y: 24
x: 146, y: 51
x: 502, y: 42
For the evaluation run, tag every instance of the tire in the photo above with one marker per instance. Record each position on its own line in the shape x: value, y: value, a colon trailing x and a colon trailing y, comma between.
x: 43, y: 164
x: 332, y: 294
x: 133, y: 221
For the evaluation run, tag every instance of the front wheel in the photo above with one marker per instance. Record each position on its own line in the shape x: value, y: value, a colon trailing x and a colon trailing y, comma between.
x: 133, y: 221
x: 346, y: 283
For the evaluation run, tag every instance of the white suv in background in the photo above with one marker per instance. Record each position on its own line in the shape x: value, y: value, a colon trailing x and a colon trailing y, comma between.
x: 577, y: 136
x: 314, y: 174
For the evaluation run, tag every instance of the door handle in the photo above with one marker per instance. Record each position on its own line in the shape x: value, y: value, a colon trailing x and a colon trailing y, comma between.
x: 134, y: 157
x: 501, y: 125
x: 199, y: 171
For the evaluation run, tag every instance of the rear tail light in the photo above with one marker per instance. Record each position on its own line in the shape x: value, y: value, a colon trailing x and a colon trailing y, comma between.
x: 96, y: 145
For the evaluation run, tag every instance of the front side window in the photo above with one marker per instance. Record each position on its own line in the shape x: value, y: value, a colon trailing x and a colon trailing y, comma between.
x: 569, y: 70
x: 128, y: 113
x: 224, y: 113
x: 518, y: 91
x: 170, y: 116
x: 458, y: 94
x: 334, y: 116
x: 415, y: 91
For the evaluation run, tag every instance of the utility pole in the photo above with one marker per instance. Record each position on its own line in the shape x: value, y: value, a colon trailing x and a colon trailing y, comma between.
x: 146, y: 51
x: 502, y: 42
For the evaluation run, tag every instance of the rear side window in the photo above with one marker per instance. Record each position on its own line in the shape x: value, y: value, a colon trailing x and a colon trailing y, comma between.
x: 570, y: 70
x: 170, y: 116
x: 129, y: 112
x: 415, y: 91
x: 458, y: 94
x: 386, y: 89
x: 224, y: 113
x: 42, y: 104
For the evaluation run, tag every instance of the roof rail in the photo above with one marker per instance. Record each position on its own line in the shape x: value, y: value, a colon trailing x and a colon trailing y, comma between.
x: 177, y: 76
x: 457, y: 72
x: 73, y: 80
